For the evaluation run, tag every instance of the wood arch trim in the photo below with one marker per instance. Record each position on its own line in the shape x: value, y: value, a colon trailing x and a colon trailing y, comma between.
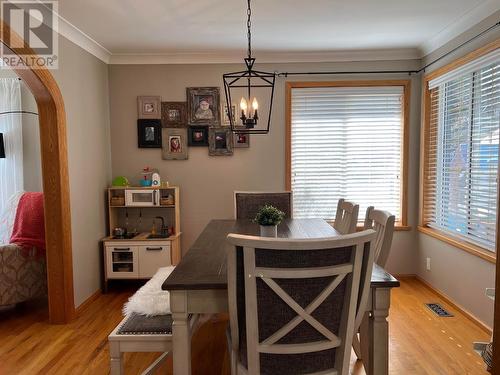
x: 52, y: 120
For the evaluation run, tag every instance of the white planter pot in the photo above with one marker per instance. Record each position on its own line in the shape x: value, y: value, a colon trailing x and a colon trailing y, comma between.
x: 268, y: 230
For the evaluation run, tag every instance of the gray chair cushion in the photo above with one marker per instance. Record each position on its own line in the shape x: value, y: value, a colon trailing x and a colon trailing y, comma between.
x: 248, y: 204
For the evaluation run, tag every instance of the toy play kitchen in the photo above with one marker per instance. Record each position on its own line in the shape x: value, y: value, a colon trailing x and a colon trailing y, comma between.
x: 144, y: 229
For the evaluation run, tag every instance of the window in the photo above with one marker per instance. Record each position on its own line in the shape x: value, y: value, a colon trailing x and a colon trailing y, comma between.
x: 461, y: 151
x: 347, y: 140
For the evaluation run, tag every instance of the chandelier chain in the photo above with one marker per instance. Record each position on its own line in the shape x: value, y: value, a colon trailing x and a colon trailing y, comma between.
x: 249, y: 26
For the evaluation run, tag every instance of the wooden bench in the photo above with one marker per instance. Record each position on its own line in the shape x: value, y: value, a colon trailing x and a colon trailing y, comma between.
x: 139, y: 333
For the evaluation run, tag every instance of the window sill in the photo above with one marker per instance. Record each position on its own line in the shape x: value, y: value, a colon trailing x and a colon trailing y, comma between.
x: 468, y: 247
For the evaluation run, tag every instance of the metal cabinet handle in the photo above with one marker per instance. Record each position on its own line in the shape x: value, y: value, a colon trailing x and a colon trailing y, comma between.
x: 121, y: 249
x: 154, y: 248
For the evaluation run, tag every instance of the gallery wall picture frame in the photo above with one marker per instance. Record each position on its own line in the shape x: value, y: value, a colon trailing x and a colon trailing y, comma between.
x: 220, y: 141
x: 203, y: 106
x: 149, y: 107
x: 175, y: 145
x: 241, y: 140
x: 198, y: 136
x: 148, y: 133
x: 225, y: 114
x: 174, y: 114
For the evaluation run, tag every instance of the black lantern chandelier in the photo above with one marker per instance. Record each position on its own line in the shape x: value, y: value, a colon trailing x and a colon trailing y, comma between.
x: 246, y: 119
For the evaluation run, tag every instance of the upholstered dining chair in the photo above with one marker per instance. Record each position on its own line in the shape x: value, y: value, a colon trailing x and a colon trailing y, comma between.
x: 383, y: 224
x: 296, y: 299
x: 248, y: 203
x: 346, y: 217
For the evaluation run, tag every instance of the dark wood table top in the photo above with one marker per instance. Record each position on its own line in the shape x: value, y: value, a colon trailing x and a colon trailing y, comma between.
x: 204, y: 265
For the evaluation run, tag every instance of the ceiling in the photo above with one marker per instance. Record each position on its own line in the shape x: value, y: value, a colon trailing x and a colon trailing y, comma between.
x: 124, y: 30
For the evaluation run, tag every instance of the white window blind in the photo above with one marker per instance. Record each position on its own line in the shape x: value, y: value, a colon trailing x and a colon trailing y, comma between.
x: 462, y: 152
x: 346, y: 142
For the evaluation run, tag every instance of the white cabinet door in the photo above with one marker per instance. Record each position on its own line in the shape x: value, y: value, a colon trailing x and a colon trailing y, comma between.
x: 152, y: 257
x: 122, y: 262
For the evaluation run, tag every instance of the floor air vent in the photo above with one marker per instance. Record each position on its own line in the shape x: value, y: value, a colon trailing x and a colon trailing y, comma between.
x: 438, y: 310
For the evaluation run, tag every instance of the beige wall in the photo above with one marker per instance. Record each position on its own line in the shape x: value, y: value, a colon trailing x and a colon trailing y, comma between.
x: 207, y: 183
x: 83, y: 80
x: 461, y: 276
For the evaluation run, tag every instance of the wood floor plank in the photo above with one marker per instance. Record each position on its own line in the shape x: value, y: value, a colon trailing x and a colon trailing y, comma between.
x: 420, y: 342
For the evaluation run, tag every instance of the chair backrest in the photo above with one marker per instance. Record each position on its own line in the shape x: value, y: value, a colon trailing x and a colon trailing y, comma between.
x: 383, y: 224
x: 248, y: 203
x: 298, y: 299
x: 346, y: 217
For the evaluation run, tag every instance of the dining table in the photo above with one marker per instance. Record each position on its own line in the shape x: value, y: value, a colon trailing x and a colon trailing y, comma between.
x: 198, y: 285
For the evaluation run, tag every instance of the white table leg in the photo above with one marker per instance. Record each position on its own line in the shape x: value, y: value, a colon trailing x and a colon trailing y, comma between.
x: 181, y: 333
x: 378, y: 332
x: 116, y: 358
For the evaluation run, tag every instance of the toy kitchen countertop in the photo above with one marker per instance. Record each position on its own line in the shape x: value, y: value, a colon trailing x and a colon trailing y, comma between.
x: 145, y: 236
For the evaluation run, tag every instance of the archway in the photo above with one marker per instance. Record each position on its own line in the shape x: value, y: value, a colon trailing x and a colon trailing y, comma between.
x: 52, y: 119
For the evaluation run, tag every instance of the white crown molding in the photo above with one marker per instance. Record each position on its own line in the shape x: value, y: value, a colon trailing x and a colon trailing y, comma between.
x: 463, y: 23
x: 265, y: 57
x: 80, y: 38
x: 77, y: 36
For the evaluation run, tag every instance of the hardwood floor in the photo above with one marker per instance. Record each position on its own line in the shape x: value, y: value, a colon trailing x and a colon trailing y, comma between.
x: 420, y: 343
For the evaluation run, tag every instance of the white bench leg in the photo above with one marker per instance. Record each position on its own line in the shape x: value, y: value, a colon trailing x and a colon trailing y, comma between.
x: 116, y: 358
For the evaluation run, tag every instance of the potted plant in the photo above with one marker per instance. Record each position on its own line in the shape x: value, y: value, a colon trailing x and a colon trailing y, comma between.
x: 268, y: 218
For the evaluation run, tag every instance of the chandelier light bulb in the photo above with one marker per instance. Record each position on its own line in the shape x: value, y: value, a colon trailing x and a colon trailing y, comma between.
x: 255, y: 104
x: 243, y: 105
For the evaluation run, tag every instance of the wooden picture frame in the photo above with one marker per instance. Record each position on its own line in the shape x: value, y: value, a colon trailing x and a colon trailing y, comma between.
x: 149, y: 107
x: 198, y: 136
x: 175, y: 145
x: 148, y: 133
x: 241, y: 140
x: 220, y: 141
x: 225, y: 114
x: 174, y: 114
x: 203, y: 106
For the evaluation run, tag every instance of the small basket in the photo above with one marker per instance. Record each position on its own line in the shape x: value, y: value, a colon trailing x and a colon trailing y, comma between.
x: 118, y: 201
x: 166, y: 201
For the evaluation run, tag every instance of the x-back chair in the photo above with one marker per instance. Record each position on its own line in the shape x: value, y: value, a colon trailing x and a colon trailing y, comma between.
x: 293, y: 302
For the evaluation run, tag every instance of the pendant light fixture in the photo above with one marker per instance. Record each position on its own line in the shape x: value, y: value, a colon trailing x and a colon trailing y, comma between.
x: 256, y: 90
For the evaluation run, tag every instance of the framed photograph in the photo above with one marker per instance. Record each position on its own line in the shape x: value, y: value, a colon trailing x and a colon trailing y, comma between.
x: 149, y: 107
x: 174, y: 144
x: 225, y: 114
x: 173, y: 114
x: 198, y: 136
x: 241, y: 140
x: 220, y: 141
x: 203, y: 106
x: 149, y: 133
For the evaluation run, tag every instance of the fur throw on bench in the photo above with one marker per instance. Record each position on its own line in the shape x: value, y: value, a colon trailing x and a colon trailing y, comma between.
x: 150, y: 299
